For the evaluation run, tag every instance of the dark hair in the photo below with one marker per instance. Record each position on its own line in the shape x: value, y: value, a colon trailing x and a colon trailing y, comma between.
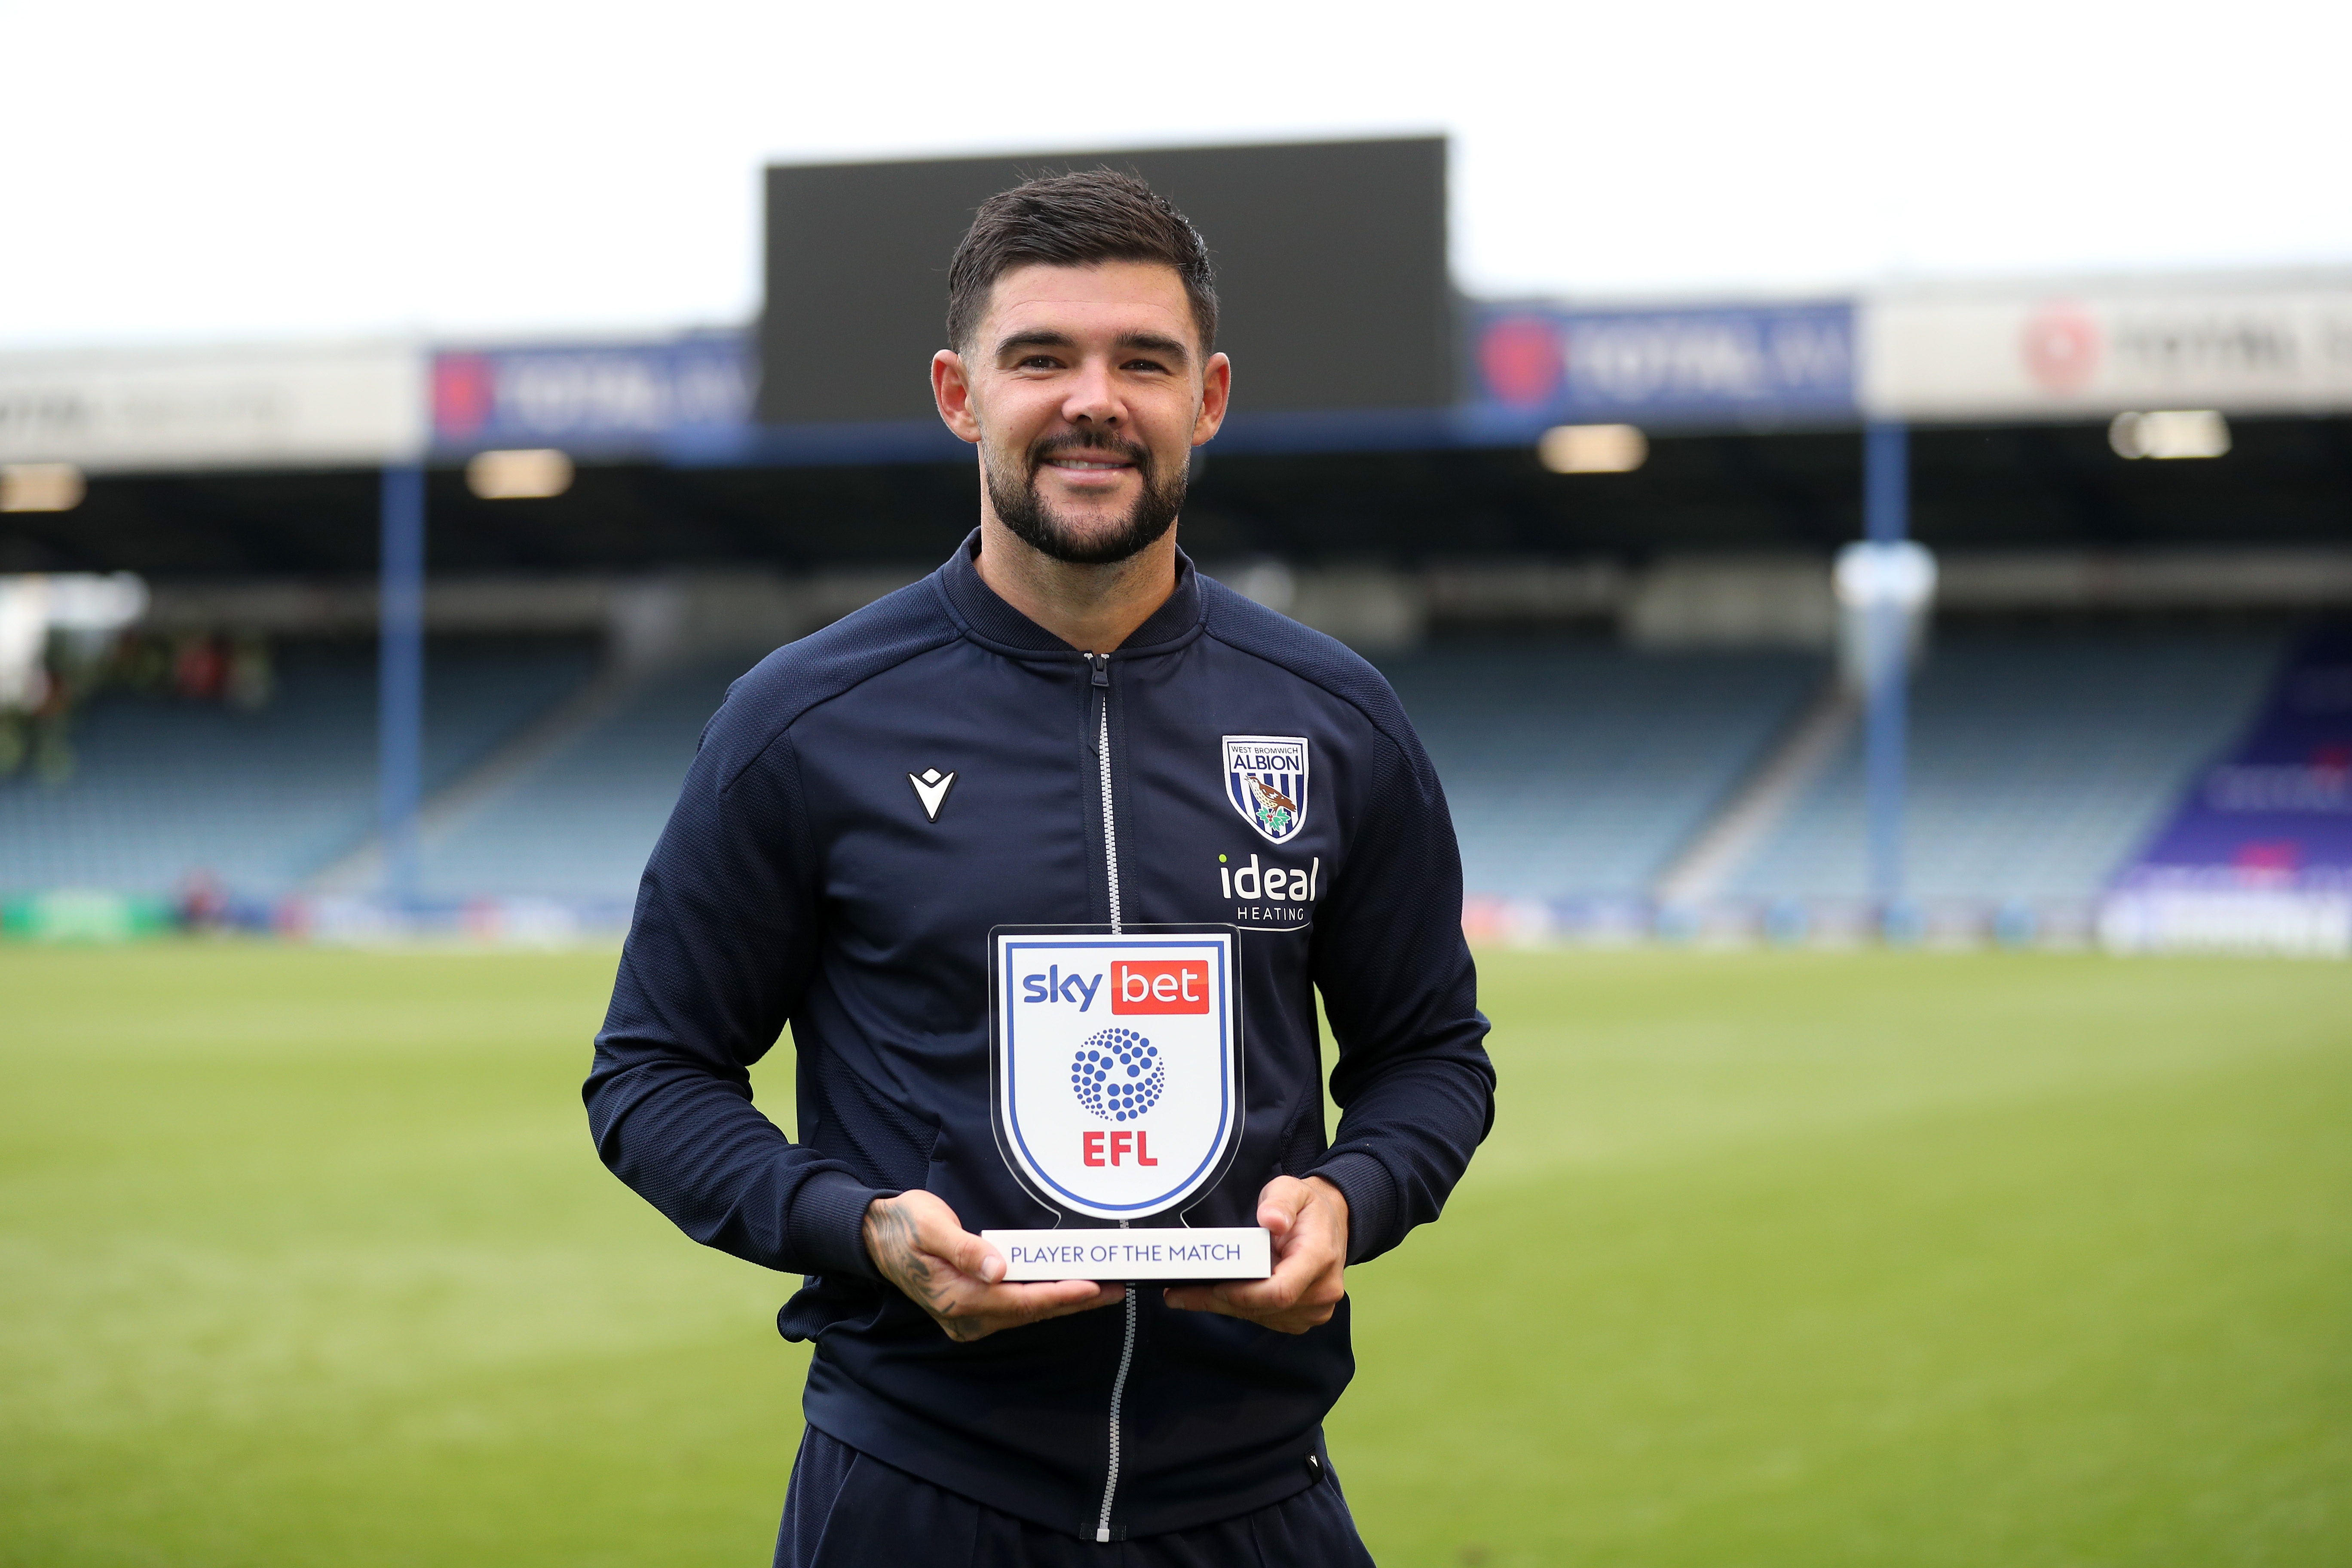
x: 1077, y: 220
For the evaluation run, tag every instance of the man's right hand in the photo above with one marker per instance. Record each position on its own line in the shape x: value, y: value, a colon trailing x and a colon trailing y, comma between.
x: 917, y: 1243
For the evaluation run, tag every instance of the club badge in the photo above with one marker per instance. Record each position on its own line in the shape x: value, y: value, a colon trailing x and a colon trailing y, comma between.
x: 1266, y: 778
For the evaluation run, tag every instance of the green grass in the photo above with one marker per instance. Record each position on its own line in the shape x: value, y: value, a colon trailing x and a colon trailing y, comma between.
x: 1803, y: 1260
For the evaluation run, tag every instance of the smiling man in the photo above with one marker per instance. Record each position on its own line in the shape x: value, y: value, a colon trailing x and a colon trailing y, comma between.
x: 1064, y: 724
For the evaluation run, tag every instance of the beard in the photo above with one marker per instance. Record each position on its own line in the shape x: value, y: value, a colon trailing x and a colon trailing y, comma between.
x: 1020, y: 508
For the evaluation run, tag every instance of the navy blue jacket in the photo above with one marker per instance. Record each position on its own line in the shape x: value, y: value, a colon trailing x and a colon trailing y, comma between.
x: 801, y: 881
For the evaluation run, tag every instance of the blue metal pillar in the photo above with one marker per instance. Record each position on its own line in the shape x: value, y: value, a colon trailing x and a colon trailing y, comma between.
x: 1886, y: 518
x: 400, y: 680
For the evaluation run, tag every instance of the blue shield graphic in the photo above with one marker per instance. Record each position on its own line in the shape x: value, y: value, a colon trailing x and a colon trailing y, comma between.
x: 1115, y: 1064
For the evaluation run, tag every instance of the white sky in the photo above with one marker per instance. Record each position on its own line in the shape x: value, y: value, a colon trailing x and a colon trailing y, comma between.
x: 242, y: 169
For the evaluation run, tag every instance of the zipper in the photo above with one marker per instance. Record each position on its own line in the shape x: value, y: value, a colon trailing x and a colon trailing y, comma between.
x: 1117, y: 1392
x: 1098, y: 665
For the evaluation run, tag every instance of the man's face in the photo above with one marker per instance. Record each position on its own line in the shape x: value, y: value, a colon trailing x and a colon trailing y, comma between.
x: 1087, y: 390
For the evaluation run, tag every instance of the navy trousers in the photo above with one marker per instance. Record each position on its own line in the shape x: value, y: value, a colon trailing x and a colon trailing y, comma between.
x: 848, y: 1510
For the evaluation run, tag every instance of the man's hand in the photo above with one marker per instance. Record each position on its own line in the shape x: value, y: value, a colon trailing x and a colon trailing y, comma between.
x: 1309, y: 1222
x: 917, y: 1243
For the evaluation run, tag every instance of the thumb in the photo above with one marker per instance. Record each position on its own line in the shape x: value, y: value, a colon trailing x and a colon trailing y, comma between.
x: 975, y: 1256
x: 1279, y: 1206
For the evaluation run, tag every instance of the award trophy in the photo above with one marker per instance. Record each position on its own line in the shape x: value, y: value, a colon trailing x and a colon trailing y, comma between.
x: 1114, y: 1087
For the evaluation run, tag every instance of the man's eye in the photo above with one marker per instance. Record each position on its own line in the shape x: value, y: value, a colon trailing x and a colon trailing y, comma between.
x: 1151, y: 364
x: 1040, y: 361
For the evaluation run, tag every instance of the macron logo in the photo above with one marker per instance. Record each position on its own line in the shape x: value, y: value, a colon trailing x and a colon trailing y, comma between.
x: 931, y: 788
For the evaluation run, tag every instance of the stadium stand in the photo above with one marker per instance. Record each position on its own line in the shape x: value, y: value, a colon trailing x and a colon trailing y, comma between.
x: 579, y: 824
x: 163, y: 790
x: 1580, y: 768
x: 2038, y: 764
x: 1575, y: 769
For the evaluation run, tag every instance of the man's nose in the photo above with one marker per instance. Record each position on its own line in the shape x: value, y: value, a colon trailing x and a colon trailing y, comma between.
x: 1094, y: 395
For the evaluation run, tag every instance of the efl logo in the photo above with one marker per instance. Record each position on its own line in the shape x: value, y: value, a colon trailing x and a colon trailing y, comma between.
x: 1176, y: 985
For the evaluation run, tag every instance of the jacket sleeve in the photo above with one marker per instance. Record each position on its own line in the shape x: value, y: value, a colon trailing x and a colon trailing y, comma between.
x: 719, y: 951
x: 1414, y: 1087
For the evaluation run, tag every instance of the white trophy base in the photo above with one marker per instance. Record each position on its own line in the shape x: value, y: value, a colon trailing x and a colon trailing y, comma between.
x: 1215, y: 1252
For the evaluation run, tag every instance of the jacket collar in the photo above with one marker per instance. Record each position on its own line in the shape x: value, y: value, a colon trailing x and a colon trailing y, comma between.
x: 986, y: 615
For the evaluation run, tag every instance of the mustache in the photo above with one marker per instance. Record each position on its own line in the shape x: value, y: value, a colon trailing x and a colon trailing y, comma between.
x: 1068, y: 441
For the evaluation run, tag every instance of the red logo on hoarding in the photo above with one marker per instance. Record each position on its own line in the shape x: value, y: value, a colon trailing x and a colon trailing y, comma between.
x: 463, y: 388
x: 1522, y: 358
x: 2274, y: 855
x: 2061, y: 347
x: 1171, y: 985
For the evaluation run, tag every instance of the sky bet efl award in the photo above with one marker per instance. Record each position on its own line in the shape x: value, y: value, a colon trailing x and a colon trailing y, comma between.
x: 1115, y: 1069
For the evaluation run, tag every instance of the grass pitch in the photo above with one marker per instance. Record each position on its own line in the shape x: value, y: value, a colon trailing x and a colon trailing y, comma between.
x: 1774, y: 1258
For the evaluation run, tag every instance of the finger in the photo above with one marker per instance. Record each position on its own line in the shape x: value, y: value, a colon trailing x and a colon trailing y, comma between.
x: 1294, y: 1275
x: 1060, y: 1297
x: 1010, y: 1306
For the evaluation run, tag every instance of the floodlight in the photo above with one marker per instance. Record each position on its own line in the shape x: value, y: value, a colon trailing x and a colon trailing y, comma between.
x: 40, y: 486
x: 2177, y: 433
x: 531, y: 474
x: 1592, y: 448
x: 1897, y: 573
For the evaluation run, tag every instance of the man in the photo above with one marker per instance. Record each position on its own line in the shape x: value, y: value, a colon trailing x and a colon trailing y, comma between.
x: 1036, y: 735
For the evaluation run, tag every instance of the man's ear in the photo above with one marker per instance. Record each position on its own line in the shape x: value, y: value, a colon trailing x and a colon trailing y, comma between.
x: 1216, y: 392
x: 951, y: 390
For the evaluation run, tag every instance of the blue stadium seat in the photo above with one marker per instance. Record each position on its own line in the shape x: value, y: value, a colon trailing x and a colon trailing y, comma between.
x: 162, y: 789
x: 2038, y: 763
x: 580, y: 825
x: 1581, y: 769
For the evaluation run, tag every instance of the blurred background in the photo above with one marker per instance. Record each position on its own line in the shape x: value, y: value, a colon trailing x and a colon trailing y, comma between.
x: 1858, y: 503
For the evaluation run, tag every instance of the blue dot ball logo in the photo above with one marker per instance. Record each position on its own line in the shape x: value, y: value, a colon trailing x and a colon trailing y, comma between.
x: 1117, y: 1075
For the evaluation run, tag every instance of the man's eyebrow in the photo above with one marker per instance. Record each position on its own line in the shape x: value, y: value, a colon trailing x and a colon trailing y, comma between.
x: 1152, y: 342
x: 1043, y: 338
x: 1036, y: 338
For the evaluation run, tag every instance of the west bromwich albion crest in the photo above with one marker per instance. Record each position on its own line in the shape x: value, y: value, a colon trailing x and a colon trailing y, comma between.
x: 1266, y: 778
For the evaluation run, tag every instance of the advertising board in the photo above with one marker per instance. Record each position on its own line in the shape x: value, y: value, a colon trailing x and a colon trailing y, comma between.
x: 593, y: 399
x: 323, y: 406
x: 1740, y: 363
x: 2280, y: 346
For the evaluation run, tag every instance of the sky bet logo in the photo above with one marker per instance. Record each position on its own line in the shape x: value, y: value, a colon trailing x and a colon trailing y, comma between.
x: 1175, y: 986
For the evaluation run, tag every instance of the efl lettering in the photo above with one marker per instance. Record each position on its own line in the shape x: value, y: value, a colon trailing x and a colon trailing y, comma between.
x: 1135, y: 1142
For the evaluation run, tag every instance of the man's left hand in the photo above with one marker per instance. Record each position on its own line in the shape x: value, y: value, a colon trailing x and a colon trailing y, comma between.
x: 1309, y: 1222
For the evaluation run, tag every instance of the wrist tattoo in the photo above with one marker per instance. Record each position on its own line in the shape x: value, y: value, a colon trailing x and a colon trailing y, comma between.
x: 892, y: 1238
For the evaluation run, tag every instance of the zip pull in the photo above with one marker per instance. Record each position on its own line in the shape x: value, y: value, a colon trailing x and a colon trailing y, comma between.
x: 1098, y: 669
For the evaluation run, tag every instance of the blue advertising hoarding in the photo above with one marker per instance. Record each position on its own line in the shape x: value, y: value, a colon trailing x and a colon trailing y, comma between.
x: 1741, y: 364
x: 689, y: 399
x: 607, y: 400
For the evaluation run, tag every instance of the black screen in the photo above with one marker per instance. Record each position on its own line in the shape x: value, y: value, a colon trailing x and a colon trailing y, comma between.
x: 1330, y: 261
